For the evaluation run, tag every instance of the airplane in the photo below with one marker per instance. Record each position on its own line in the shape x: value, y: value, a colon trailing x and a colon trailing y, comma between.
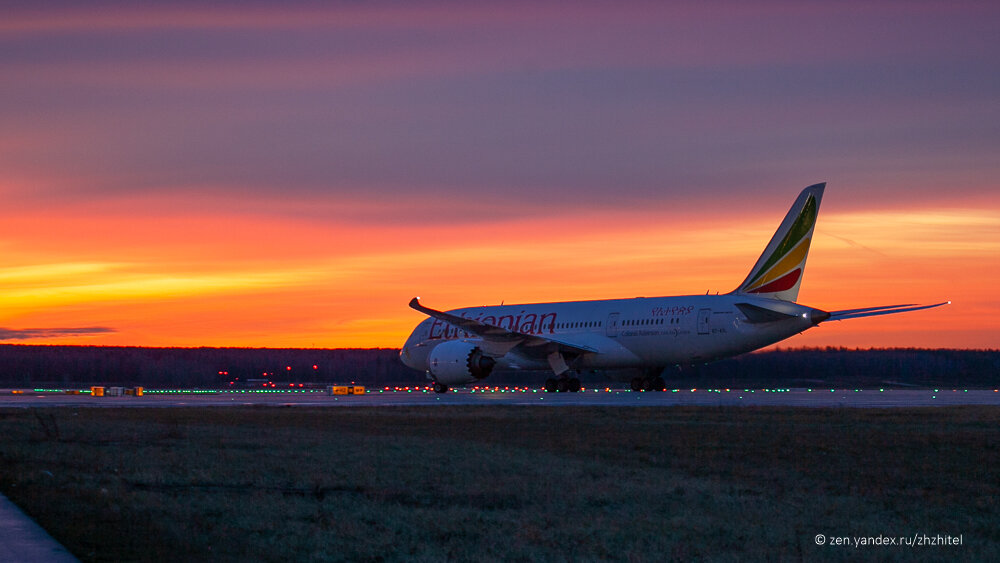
x: 645, y: 334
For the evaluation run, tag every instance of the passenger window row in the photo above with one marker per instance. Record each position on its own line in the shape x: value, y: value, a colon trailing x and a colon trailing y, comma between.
x: 582, y: 324
x: 647, y: 322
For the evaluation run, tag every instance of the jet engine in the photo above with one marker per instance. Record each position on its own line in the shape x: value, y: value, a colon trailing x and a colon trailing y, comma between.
x: 456, y: 362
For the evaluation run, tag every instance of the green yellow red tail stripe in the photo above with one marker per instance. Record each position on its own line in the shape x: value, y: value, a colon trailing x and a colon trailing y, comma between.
x: 778, y: 271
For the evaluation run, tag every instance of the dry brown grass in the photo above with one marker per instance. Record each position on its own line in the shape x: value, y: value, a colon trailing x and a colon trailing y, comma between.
x: 513, y: 483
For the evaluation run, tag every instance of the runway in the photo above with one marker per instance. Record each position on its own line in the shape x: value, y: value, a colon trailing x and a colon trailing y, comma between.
x: 388, y: 397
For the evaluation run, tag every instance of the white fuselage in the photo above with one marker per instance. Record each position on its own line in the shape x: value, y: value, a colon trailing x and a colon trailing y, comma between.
x: 626, y: 333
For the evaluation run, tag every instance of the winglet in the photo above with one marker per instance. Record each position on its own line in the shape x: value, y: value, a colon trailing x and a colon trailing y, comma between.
x: 415, y: 304
x: 778, y: 272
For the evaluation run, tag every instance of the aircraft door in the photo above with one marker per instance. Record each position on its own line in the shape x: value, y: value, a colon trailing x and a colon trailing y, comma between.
x: 612, y: 326
x: 704, y: 315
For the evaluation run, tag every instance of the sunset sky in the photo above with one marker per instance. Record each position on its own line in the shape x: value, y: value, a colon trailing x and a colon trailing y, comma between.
x: 291, y: 174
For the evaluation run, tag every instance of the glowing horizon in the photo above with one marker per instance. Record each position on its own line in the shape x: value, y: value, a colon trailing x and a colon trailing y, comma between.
x: 858, y: 259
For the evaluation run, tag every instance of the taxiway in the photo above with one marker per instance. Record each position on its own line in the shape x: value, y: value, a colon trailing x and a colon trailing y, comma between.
x: 854, y: 398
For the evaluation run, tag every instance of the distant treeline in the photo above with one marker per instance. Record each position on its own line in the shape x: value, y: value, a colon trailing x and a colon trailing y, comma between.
x: 198, y: 367
x: 22, y: 365
x: 843, y: 367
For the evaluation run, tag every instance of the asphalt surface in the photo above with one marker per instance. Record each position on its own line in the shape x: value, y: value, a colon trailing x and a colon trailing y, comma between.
x: 22, y: 540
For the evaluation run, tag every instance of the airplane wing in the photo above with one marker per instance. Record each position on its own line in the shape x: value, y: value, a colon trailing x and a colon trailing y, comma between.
x: 529, y: 342
x: 882, y: 310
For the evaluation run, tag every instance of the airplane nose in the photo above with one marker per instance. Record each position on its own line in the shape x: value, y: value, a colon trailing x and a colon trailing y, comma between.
x: 404, y: 356
x: 817, y: 316
x: 412, y: 360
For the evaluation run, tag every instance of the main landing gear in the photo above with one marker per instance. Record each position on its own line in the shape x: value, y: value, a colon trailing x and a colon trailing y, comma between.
x: 440, y: 387
x: 562, y: 385
x: 654, y: 383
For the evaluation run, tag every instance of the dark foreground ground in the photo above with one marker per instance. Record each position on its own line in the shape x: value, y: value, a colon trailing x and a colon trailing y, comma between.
x: 513, y: 483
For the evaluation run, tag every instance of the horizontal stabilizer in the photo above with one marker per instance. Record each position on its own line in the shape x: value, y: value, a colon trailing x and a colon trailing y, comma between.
x: 756, y: 315
x: 882, y: 310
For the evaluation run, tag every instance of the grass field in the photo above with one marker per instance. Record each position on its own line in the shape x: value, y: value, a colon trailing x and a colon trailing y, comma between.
x: 510, y: 483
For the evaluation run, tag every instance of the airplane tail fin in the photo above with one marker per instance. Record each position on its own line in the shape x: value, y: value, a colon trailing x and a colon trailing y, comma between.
x: 778, y: 272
